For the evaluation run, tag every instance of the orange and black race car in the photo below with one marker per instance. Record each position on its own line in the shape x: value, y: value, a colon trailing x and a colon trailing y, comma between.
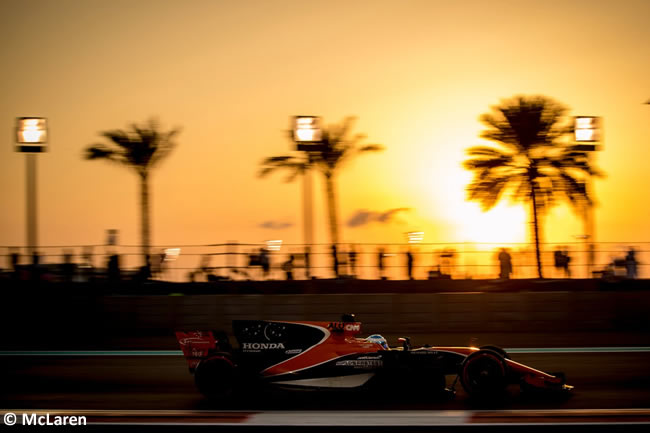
x: 329, y: 355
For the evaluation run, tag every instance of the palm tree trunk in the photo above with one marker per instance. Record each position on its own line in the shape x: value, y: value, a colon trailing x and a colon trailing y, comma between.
x: 331, y: 205
x: 307, y: 209
x: 144, y: 215
x: 536, y: 230
x: 308, y: 218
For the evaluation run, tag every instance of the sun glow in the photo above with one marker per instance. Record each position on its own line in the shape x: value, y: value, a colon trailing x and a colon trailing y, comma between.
x: 504, y: 223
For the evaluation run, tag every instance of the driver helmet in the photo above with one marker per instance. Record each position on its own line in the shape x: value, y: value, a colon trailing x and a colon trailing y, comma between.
x: 378, y: 339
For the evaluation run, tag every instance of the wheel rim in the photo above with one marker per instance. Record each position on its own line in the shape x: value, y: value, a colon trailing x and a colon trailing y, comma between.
x: 484, y: 373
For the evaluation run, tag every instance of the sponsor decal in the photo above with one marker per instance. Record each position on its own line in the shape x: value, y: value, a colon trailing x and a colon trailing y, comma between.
x: 360, y: 363
x: 190, y: 340
x: 256, y: 347
x: 344, y: 326
x: 369, y: 345
x: 197, y: 353
x: 196, y: 338
x: 293, y: 351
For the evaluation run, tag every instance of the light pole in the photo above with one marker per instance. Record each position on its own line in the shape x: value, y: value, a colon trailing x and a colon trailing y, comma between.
x: 307, y: 135
x: 31, y: 138
x: 588, y: 138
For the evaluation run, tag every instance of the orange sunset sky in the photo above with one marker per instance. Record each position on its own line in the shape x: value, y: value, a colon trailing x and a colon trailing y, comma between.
x: 231, y: 73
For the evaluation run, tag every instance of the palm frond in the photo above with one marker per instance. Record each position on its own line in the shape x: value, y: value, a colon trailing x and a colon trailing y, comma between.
x: 371, y: 148
x: 487, y: 191
x: 293, y: 164
x: 481, y: 163
x: 100, y: 151
x: 141, y: 147
x: 485, y: 151
x: 338, y: 147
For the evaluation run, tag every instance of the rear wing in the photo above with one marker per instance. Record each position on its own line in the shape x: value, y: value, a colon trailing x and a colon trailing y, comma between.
x: 198, y: 345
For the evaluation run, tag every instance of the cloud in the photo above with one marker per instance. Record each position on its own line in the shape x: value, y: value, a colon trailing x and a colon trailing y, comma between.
x: 276, y: 225
x: 364, y: 216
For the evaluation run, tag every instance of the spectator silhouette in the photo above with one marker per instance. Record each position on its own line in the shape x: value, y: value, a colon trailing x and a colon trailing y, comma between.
x: 287, y: 267
x: 566, y: 261
x: 561, y: 260
x: 253, y: 260
x: 265, y: 263
x: 409, y: 263
x: 113, y: 269
x: 67, y: 269
x: 36, y: 267
x: 380, y: 263
x: 144, y: 274
x: 505, y: 264
x: 335, y: 261
x: 631, y: 264
x: 15, y: 259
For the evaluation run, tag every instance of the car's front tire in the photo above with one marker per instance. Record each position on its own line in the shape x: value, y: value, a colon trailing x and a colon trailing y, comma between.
x: 484, y: 374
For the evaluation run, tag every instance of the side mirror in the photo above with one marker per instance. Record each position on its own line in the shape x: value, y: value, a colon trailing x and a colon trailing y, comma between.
x: 406, y: 343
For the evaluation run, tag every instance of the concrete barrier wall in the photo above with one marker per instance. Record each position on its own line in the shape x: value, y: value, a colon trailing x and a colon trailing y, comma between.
x: 401, y: 313
x: 51, y: 321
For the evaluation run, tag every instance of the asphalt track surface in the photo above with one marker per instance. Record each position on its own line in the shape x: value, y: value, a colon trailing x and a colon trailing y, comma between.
x: 162, y: 383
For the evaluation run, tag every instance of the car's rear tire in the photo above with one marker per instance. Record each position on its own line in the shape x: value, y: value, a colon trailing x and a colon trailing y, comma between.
x: 484, y: 374
x: 216, y: 377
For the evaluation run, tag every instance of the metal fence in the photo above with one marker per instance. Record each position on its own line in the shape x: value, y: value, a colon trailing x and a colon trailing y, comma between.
x: 241, y: 261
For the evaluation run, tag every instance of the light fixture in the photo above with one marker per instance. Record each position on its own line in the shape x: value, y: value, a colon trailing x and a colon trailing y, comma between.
x: 31, y: 134
x: 307, y: 133
x: 587, y: 129
x: 415, y: 237
x: 274, y: 245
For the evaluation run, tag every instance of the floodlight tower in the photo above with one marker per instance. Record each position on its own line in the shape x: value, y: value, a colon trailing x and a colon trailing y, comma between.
x: 31, y: 138
x: 588, y: 139
x: 307, y: 135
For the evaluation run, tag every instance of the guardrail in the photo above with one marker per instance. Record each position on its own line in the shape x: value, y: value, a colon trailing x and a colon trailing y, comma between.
x: 241, y: 261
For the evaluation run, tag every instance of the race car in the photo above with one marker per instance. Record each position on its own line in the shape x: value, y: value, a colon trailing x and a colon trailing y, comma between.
x: 329, y: 355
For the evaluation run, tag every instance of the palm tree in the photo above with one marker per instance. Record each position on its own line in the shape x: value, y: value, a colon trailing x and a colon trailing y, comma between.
x: 532, y: 163
x: 296, y: 165
x: 141, y: 148
x: 335, y: 149
x: 338, y: 148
